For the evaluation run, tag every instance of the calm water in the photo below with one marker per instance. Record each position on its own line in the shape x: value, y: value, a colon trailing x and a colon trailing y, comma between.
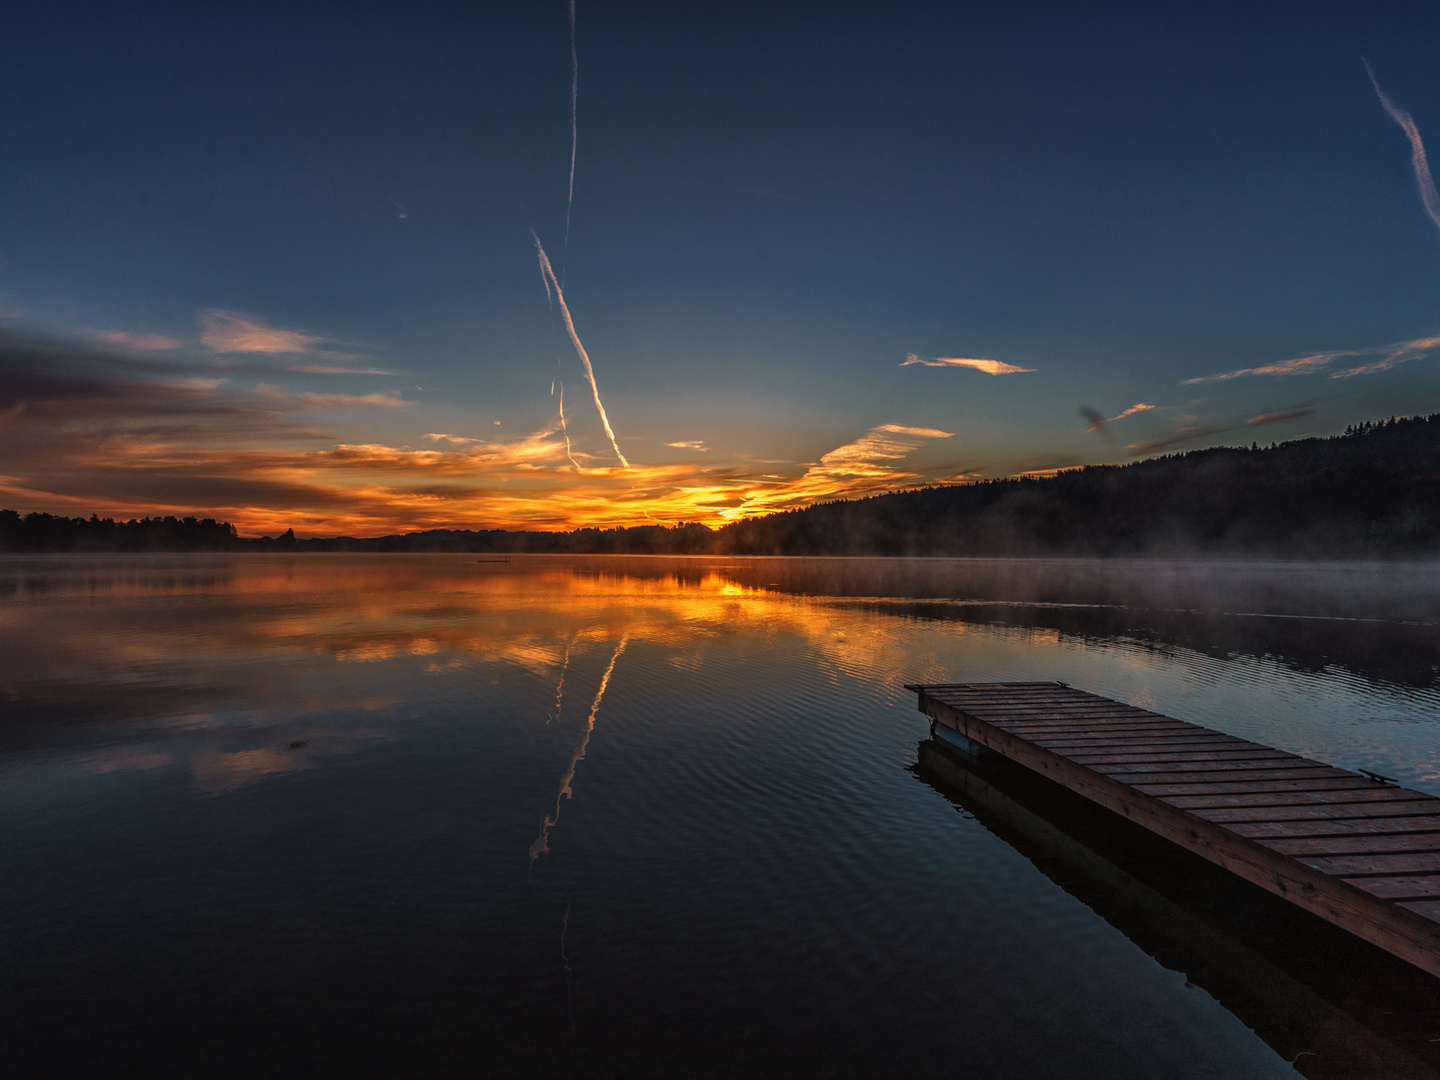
x: 432, y: 815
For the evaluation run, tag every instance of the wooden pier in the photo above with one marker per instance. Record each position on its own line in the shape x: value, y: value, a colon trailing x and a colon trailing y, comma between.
x: 1356, y: 850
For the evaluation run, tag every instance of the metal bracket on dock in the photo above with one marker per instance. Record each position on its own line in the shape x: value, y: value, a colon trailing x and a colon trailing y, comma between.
x: 956, y: 741
x: 1377, y: 776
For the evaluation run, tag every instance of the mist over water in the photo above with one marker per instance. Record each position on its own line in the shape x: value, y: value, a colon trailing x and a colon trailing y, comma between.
x: 431, y: 815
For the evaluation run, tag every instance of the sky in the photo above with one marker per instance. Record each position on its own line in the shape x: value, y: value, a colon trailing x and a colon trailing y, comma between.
x: 359, y: 269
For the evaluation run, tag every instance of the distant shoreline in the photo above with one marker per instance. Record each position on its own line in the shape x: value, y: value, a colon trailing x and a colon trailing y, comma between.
x: 1372, y: 493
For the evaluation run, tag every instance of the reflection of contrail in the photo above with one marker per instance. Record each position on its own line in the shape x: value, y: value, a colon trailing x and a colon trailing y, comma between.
x: 560, y: 686
x: 542, y: 842
x: 566, y: 430
x: 574, y: 128
x: 575, y: 340
x: 565, y: 926
x: 1423, y: 182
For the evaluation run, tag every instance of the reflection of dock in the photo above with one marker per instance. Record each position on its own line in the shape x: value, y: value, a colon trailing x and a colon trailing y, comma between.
x: 1358, y: 852
x: 1321, y: 998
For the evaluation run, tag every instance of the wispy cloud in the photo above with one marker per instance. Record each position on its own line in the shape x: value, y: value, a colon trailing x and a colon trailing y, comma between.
x: 549, y: 274
x: 1098, y: 422
x: 232, y: 332
x: 1301, y: 365
x: 1196, y: 432
x: 1424, y: 183
x: 86, y: 430
x: 1188, y: 434
x: 858, y: 468
x: 120, y: 339
x: 336, y: 401
x: 990, y: 367
x: 1278, y: 417
x: 693, y: 444
x: 1389, y: 356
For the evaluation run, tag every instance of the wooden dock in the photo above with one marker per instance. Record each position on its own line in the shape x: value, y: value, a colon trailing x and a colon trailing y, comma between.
x: 1357, y: 851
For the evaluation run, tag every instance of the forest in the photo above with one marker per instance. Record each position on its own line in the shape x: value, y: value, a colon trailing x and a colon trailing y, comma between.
x: 1372, y: 492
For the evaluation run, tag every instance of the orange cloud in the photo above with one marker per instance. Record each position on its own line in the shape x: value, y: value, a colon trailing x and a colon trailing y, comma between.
x: 1390, y: 356
x: 232, y: 332
x: 990, y: 367
x: 76, y: 437
x: 1098, y: 422
x: 857, y: 468
x: 120, y: 339
x: 1279, y: 417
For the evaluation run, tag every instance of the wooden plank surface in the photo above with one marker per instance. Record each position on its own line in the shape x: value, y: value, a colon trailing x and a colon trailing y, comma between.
x: 1357, y: 845
x: 1360, y: 853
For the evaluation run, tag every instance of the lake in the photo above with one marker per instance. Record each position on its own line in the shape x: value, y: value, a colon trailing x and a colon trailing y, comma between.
x: 390, y: 815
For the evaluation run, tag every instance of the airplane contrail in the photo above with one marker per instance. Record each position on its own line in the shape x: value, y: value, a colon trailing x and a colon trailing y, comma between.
x: 542, y: 842
x: 549, y: 273
x: 565, y: 428
x: 1424, y: 183
x: 574, y: 127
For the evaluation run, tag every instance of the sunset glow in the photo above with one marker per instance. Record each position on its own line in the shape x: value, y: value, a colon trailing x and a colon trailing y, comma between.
x: 296, y: 299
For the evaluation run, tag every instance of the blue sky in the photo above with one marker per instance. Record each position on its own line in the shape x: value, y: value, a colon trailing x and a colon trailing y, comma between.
x: 772, y: 210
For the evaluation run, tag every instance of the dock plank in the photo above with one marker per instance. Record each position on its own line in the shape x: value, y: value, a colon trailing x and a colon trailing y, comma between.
x: 1261, y: 787
x: 1337, y: 827
x: 1424, y: 887
x: 1348, y: 796
x: 1362, y: 854
x: 1365, y: 844
x: 1352, y: 865
x: 1300, y: 770
x: 1280, y: 761
x: 1348, y: 811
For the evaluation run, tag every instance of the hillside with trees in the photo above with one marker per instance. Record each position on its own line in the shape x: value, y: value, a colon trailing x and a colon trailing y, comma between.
x: 1374, y: 490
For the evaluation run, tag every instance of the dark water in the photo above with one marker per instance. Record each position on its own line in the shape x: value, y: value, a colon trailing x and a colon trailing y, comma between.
x: 432, y: 816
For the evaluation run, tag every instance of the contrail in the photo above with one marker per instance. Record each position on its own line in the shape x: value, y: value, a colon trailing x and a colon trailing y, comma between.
x: 579, y: 348
x: 566, y: 430
x: 574, y: 127
x: 1429, y: 197
x: 542, y: 842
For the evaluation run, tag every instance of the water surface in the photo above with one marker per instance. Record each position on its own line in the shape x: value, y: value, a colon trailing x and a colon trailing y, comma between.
x: 441, y: 815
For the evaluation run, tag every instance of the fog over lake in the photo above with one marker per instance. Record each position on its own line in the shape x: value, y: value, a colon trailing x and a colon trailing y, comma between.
x: 432, y: 815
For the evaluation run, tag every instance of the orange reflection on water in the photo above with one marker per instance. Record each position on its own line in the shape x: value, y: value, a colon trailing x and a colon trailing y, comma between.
x: 255, y: 642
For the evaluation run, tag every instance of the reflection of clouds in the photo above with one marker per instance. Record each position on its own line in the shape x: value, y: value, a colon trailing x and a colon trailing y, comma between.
x: 125, y: 759
x: 219, y: 772
x: 227, y: 771
x: 328, y: 630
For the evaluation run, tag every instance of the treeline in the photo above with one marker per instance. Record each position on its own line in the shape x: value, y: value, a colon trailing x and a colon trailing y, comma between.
x: 1374, y: 491
x: 47, y: 532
